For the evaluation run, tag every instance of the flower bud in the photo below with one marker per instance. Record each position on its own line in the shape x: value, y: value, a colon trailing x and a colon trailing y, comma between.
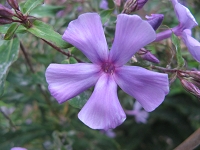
x: 5, y: 21
x: 130, y: 6
x: 5, y: 12
x: 13, y: 4
x: 190, y: 87
x: 140, y: 3
x: 133, y: 5
x: 147, y: 55
x: 155, y: 20
x: 195, y: 75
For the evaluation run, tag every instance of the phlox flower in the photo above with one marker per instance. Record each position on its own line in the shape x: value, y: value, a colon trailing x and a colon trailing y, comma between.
x: 18, y: 148
x: 107, y: 70
x: 183, y: 29
x: 140, y: 115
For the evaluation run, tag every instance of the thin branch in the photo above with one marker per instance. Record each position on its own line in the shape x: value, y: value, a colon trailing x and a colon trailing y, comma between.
x: 191, y: 142
x: 26, y: 57
x: 39, y: 85
x: 61, y: 51
x: 164, y: 69
x: 10, y: 121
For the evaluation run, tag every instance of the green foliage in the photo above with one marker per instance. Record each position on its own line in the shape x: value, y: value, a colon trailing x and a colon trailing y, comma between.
x: 105, y: 15
x: 46, y: 11
x: 8, y: 54
x: 33, y: 119
x: 11, y: 31
x: 46, y: 32
x: 30, y: 5
x: 80, y: 100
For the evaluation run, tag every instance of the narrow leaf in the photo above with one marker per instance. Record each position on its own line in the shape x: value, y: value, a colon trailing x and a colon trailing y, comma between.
x: 30, y: 5
x: 105, y: 15
x: 46, y: 32
x: 11, y: 31
x: 8, y: 54
x: 46, y: 11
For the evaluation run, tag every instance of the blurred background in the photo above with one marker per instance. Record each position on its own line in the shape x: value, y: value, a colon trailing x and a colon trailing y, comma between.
x: 30, y: 117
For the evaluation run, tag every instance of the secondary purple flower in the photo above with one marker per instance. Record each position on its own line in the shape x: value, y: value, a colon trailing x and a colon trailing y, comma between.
x: 107, y: 70
x: 103, y: 4
x: 147, y: 55
x: 18, y: 148
x: 140, y: 115
x: 155, y: 20
x: 186, y: 23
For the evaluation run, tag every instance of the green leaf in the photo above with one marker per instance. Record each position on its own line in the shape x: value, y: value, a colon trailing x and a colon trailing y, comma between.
x: 72, y: 60
x: 4, y: 28
x: 105, y: 15
x: 46, y: 32
x: 11, y: 31
x: 30, y: 5
x: 8, y: 54
x: 176, y: 43
x: 46, y: 11
x: 80, y: 100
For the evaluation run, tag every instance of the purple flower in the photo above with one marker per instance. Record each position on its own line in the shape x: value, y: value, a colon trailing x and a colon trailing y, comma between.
x: 107, y: 70
x: 18, y: 148
x: 140, y: 115
x: 186, y: 23
x: 103, y: 4
x: 147, y: 55
x: 155, y: 20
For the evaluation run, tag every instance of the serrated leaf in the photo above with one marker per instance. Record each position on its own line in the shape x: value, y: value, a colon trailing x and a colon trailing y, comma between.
x: 176, y: 43
x: 8, y: 54
x: 30, y: 5
x: 46, y: 11
x: 105, y: 15
x: 80, y: 100
x: 11, y: 31
x: 46, y: 32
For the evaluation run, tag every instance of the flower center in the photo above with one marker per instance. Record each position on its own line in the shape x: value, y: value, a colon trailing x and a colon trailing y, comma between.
x: 108, y: 68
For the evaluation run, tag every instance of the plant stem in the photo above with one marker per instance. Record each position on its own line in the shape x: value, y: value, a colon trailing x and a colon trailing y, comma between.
x: 191, y: 142
x: 39, y: 85
x: 10, y: 121
x: 61, y: 51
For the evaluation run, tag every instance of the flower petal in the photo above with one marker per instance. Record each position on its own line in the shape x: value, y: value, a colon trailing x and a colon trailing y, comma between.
x: 192, y: 44
x: 186, y: 19
x: 147, y: 87
x: 86, y: 33
x: 103, y: 110
x: 132, y: 33
x: 68, y: 80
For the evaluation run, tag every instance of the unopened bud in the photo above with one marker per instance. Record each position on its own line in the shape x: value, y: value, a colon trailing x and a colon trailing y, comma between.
x: 140, y: 3
x: 190, y: 87
x: 195, y: 75
x: 147, y: 55
x: 133, y: 5
x: 130, y: 6
x: 13, y: 4
x: 5, y: 21
x: 5, y: 12
x: 117, y: 2
x: 155, y: 20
